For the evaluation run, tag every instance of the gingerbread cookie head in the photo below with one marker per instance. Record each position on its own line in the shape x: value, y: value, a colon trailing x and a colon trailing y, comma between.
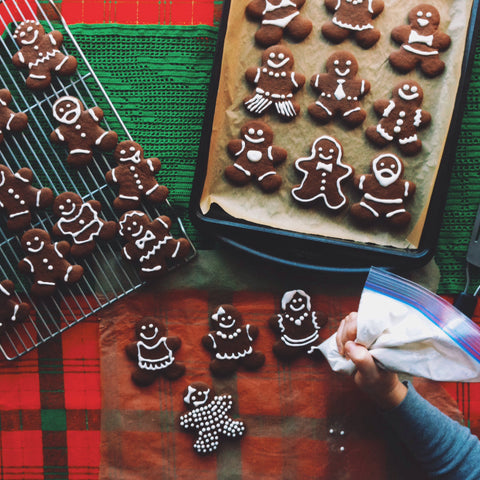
x: 67, y: 110
x: 227, y: 319
x: 384, y: 193
x: 10, y: 121
x: 67, y: 204
x: 153, y: 352
x: 11, y: 311
x: 208, y: 418
x: 342, y: 64
x: 410, y: 92
x: 424, y: 18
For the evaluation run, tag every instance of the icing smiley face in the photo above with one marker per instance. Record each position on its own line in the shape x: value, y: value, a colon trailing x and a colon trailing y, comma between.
x: 343, y: 65
x: 196, y: 395
x: 132, y: 225
x: 295, y: 303
x: 387, y: 169
x: 67, y: 110
x: 149, y: 331
x: 66, y: 204
x: 327, y: 150
x: 28, y: 32
x: 410, y: 91
x: 278, y: 60
x: 36, y: 242
x: 424, y: 18
x: 226, y: 319
x: 132, y: 153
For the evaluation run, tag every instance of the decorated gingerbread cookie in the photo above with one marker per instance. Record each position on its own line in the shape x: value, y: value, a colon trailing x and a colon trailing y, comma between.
x: 18, y: 197
x: 80, y: 130
x: 353, y: 18
x: 153, y: 353
x: 255, y: 157
x: 208, y: 418
x: 135, y: 177
x: 420, y: 42
x: 40, y: 53
x: 47, y: 263
x: 340, y: 91
x: 324, y: 175
x: 401, y: 118
x: 278, y: 18
x: 11, y: 311
x: 80, y: 223
x: 149, y: 243
x: 10, y: 121
x: 275, y: 84
x: 298, y: 327
x: 231, y: 342
x: 384, y: 193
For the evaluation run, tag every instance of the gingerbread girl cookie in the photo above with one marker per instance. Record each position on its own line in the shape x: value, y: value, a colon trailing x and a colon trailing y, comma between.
x: 135, y: 176
x: 9, y: 120
x: 384, y: 193
x: 353, y: 17
x: 153, y: 353
x: 339, y: 91
x: 47, y: 263
x: 420, y: 42
x: 18, y: 197
x: 40, y: 53
x: 11, y: 311
x: 401, y: 117
x: 279, y: 18
x: 255, y: 157
x: 231, y: 342
x: 298, y: 327
x: 323, y: 175
x: 80, y: 130
x: 150, y: 244
x: 208, y: 418
x: 275, y: 84
x: 80, y: 223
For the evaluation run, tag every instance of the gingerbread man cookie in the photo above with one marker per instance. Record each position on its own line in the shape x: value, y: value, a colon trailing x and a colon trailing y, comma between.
x: 80, y: 223
x: 47, y: 263
x: 275, y: 84
x: 401, y: 117
x: 40, y: 54
x: 384, y: 193
x: 255, y: 157
x: 153, y: 353
x: 340, y: 91
x: 135, y: 176
x: 353, y: 18
x: 208, y: 418
x: 150, y: 244
x: 9, y: 120
x: 420, y: 42
x: 278, y: 18
x: 18, y: 197
x: 323, y: 175
x: 80, y: 130
x: 298, y: 327
x: 231, y: 342
x: 11, y: 311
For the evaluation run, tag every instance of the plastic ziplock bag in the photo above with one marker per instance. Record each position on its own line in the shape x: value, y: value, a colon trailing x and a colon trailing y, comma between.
x: 408, y: 329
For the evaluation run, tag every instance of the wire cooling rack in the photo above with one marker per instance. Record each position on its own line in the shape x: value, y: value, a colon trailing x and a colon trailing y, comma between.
x: 107, y: 276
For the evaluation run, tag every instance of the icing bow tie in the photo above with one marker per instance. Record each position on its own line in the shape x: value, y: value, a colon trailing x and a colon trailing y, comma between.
x: 140, y: 243
x: 325, y: 166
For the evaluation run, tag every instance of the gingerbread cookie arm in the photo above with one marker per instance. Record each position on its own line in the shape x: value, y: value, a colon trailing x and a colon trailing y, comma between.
x: 401, y: 33
x: 331, y: 5
x: 56, y: 38
x: 174, y: 343
x: 377, y: 8
x: 235, y: 146
x: 255, y: 9
x: 422, y: 118
x: 381, y: 105
x: 96, y: 113
x: 7, y: 287
x: 441, y: 41
x: 25, y: 174
x: 273, y: 323
x: 63, y: 248
x: 208, y: 342
x: 132, y: 351
x: 251, y: 74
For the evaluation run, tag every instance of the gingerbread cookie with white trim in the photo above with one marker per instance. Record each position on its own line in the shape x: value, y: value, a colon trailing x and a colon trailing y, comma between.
x: 12, y: 312
x: 10, y: 121
x: 40, y: 53
x: 80, y: 130
x: 279, y: 18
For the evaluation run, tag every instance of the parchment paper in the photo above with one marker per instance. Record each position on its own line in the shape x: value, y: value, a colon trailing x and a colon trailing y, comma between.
x: 279, y: 210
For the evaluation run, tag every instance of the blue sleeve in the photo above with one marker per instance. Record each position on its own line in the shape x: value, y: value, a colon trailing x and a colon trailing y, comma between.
x: 444, y: 448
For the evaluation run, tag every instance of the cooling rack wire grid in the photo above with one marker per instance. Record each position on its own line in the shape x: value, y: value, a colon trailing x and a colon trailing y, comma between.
x: 107, y: 276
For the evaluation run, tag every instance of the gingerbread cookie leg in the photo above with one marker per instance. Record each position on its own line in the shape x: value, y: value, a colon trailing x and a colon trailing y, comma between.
x: 367, y: 38
x: 334, y: 33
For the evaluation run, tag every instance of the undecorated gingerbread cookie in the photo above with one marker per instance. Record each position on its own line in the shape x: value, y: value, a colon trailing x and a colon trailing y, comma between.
x: 11, y: 311
x: 255, y: 157
x: 324, y: 175
x: 135, y: 177
x: 384, y: 193
x: 231, y: 342
x: 18, y: 197
x: 400, y: 118
x: 80, y: 223
x: 298, y: 327
x: 153, y: 353
x: 40, y: 53
x: 275, y: 84
x: 47, y: 263
x: 80, y: 130
x: 339, y: 91
x: 278, y: 18
x: 420, y: 42
x: 353, y: 18
x: 10, y: 121
x: 208, y: 418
